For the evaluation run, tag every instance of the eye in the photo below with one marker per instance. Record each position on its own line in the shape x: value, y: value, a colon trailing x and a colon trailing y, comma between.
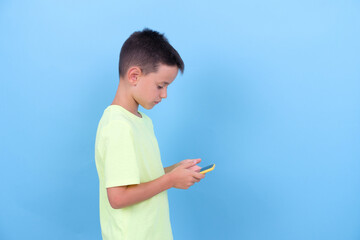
x: 159, y: 87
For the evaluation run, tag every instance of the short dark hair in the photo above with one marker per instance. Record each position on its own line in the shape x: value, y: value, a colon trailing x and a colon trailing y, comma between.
x: 147, y: 49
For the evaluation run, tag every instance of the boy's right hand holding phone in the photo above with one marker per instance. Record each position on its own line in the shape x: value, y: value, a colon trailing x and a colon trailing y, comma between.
x: 183, y: 177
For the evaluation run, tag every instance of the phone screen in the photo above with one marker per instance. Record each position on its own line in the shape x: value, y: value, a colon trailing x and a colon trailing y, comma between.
x: 207, y: 167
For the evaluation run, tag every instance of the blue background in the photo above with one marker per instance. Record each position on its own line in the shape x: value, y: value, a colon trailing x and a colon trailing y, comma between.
x: 270, y: 93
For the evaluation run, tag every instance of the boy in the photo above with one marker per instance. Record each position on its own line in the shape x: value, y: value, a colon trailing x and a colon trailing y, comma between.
x: 132, y: 180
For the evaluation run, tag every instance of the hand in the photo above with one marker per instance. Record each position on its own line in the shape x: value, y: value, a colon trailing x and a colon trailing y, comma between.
x: 194, y: 168
x: 182, y: 177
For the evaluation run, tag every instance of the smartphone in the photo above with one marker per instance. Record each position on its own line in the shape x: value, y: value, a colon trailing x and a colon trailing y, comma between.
x: 207, y: 169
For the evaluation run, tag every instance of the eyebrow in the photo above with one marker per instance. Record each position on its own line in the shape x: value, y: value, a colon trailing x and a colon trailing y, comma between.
x: 166, y: 83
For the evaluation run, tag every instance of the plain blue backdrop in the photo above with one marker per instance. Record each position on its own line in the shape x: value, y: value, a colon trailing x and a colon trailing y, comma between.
x: 270, y: 93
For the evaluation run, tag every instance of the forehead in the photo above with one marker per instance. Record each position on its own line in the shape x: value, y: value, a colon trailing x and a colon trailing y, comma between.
x: 166, y: 74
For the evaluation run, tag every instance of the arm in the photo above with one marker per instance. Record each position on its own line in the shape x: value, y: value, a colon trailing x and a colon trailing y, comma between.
x: 180, y: 177
x: 169, y: 169
x: 124, y: 196
x: 195, y: 168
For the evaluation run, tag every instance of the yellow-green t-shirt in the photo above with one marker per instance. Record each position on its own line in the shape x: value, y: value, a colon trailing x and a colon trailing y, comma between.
x: 126, y: 153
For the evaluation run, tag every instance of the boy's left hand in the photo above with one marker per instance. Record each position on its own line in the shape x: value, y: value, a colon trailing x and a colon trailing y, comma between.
x: 195, y: 168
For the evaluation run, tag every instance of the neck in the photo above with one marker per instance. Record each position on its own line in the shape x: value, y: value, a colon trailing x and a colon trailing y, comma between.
x: 124, y: 99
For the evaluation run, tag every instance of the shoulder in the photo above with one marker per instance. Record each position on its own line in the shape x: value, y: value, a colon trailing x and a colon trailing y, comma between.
x: 113, y: 121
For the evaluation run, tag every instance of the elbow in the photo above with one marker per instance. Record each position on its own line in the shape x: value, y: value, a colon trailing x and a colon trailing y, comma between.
x: 117, y: 204
x: 117, y: 197
x: 114, y: 204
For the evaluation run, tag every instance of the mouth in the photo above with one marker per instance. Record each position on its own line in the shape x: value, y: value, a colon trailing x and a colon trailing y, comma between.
x: 156, y: 102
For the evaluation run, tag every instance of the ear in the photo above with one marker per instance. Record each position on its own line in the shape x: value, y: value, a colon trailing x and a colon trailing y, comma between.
x: 133, y: 75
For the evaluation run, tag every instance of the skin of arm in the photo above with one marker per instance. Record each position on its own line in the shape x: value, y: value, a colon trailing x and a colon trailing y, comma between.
x: 194, y: 168
x: 182, y: 177
x: 170, y: 168
x: 137, y: 193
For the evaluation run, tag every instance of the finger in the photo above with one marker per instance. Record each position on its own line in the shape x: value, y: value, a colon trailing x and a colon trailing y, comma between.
x: 198, y: 175
x: 197, y: 160
x: 188, y: 164
x: 186, y: 161
x: 196, y: 179
x: 197, y: 168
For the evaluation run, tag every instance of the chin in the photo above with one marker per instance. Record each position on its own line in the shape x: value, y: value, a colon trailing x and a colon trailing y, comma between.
x: 148, y: 107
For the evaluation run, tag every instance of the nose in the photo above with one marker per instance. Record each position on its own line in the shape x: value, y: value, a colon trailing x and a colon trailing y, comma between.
x: 163, y: 93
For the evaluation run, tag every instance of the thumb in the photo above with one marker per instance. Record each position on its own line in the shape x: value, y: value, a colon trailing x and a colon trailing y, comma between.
x: 189, y: 164
x: 197, y: 160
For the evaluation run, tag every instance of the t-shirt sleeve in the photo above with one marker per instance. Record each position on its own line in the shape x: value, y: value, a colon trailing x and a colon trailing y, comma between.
x: 120, y: 164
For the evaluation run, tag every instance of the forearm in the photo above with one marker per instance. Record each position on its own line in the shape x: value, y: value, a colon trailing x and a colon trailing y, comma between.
x: 170, y: 168
x: 143, y: 191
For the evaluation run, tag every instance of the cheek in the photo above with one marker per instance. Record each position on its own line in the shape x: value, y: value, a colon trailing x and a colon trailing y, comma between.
x: 150, y: 95
x: 155, y: 92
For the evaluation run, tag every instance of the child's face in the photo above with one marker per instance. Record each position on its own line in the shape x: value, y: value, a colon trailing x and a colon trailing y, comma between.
x: 152, y: 88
